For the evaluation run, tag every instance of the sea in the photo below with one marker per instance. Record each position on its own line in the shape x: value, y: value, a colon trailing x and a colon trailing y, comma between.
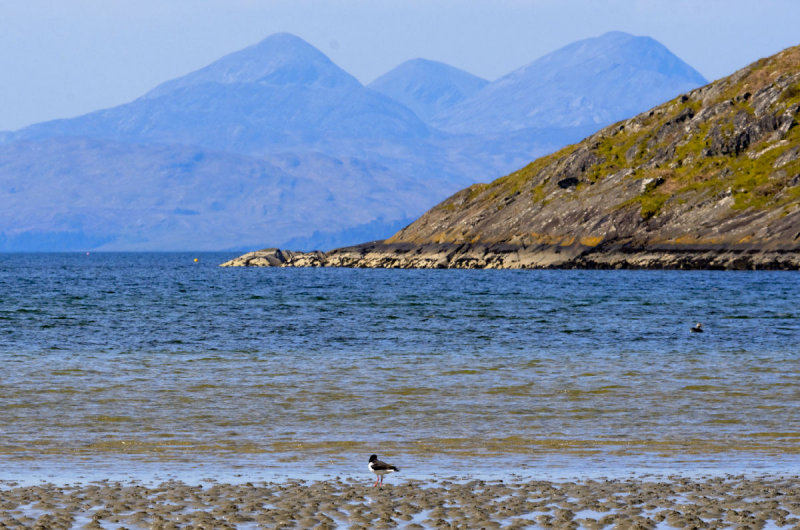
x: 146, y: 366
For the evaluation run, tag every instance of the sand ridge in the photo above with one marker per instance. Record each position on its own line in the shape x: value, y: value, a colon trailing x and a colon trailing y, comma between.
x: 678, y: 502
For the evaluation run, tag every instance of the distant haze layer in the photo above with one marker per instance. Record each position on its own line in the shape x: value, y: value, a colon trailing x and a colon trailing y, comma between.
x: 275, y: 144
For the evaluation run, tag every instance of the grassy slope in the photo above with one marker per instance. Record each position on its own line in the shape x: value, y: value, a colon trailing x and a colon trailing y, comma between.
x: 713, y: 142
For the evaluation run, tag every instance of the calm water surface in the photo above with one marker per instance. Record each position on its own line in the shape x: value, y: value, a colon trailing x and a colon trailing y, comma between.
x: 129, y: 359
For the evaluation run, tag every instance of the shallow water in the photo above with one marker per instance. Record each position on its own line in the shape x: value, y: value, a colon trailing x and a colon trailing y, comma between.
x: 115, y: 359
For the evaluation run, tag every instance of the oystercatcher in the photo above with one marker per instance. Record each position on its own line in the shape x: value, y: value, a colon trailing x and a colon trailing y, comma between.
x: 380, y: 469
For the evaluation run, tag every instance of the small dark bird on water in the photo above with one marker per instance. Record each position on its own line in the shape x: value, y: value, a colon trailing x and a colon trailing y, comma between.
x: 697, y: 328
x: 380, y: 469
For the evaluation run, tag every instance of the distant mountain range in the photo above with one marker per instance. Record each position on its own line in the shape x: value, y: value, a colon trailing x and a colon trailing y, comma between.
x: 281, y: 93
x: 276, y: 144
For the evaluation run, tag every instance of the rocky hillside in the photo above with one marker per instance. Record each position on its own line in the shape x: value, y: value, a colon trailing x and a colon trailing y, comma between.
x: 710, y: 179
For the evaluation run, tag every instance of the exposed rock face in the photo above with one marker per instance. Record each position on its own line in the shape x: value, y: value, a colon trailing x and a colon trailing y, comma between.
x: 710, y: 179
x: 275, y: 257
x: 506, y: 256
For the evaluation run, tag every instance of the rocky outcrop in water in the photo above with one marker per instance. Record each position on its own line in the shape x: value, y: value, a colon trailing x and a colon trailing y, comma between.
x: 503, y: 256
x: 710, y: 179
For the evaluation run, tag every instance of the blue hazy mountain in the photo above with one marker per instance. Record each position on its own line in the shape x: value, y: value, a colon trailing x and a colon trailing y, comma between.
x: 280, y: 93
x: 275, y: 143
x: 590, y: 83
x: 427, y: 87
x: 347, y: 157
x: 79, y: 193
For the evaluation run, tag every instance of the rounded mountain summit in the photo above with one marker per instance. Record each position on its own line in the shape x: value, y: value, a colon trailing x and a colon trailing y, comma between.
x: 279, y: 92
x: 589, y: 83
x: 428, y: 87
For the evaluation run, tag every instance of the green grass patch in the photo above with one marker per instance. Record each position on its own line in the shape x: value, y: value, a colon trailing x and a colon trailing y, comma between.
x: 475, y: 190
x: 538, y: 193
x: 791, y: 95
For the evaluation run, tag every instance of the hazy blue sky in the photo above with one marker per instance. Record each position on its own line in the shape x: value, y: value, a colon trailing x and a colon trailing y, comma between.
x: 61, y: 58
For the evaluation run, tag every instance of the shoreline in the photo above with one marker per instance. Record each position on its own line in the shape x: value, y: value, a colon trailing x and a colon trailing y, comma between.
x: 63, y: 470
x: 645, y: 502
x: 382, y: 255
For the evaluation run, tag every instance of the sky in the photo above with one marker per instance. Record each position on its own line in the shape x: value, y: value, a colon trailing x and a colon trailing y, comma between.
x: 63, y: 58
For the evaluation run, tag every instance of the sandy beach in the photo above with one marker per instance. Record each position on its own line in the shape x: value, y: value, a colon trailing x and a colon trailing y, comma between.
x: 648, y: 502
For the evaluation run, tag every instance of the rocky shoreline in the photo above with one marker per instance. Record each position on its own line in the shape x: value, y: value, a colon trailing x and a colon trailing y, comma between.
x: 380, y: 255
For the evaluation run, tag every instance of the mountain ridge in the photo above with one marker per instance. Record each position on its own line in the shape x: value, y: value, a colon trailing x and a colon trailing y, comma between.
x: 281, y: 58
x: 129, y: 208
x: 279, y: 93
x: 576, y: 85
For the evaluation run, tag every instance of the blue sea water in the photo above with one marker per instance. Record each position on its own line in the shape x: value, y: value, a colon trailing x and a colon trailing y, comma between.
x: 131, y: 362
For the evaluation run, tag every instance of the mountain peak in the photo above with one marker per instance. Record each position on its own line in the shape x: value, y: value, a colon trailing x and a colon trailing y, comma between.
x: 592, y: 82
x: 280, y: 59
x: 427, y: 87
x: 615, y: 47
x: 616, y: 35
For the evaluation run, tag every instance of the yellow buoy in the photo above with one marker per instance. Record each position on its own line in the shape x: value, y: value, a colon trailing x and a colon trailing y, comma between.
x: 195, y: 260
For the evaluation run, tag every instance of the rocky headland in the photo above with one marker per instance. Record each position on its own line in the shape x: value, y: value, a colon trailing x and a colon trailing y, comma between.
x: 710, y: 179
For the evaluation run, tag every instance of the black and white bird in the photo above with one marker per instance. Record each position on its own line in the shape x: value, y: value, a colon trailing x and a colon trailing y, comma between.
x: 380, y: 469
x: 697, y: 328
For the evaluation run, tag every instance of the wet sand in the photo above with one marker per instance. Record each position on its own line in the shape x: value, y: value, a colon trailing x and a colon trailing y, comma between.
x: 648, y: 502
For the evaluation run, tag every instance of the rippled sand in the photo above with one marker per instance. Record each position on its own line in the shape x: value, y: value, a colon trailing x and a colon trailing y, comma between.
x: 716, y: 502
